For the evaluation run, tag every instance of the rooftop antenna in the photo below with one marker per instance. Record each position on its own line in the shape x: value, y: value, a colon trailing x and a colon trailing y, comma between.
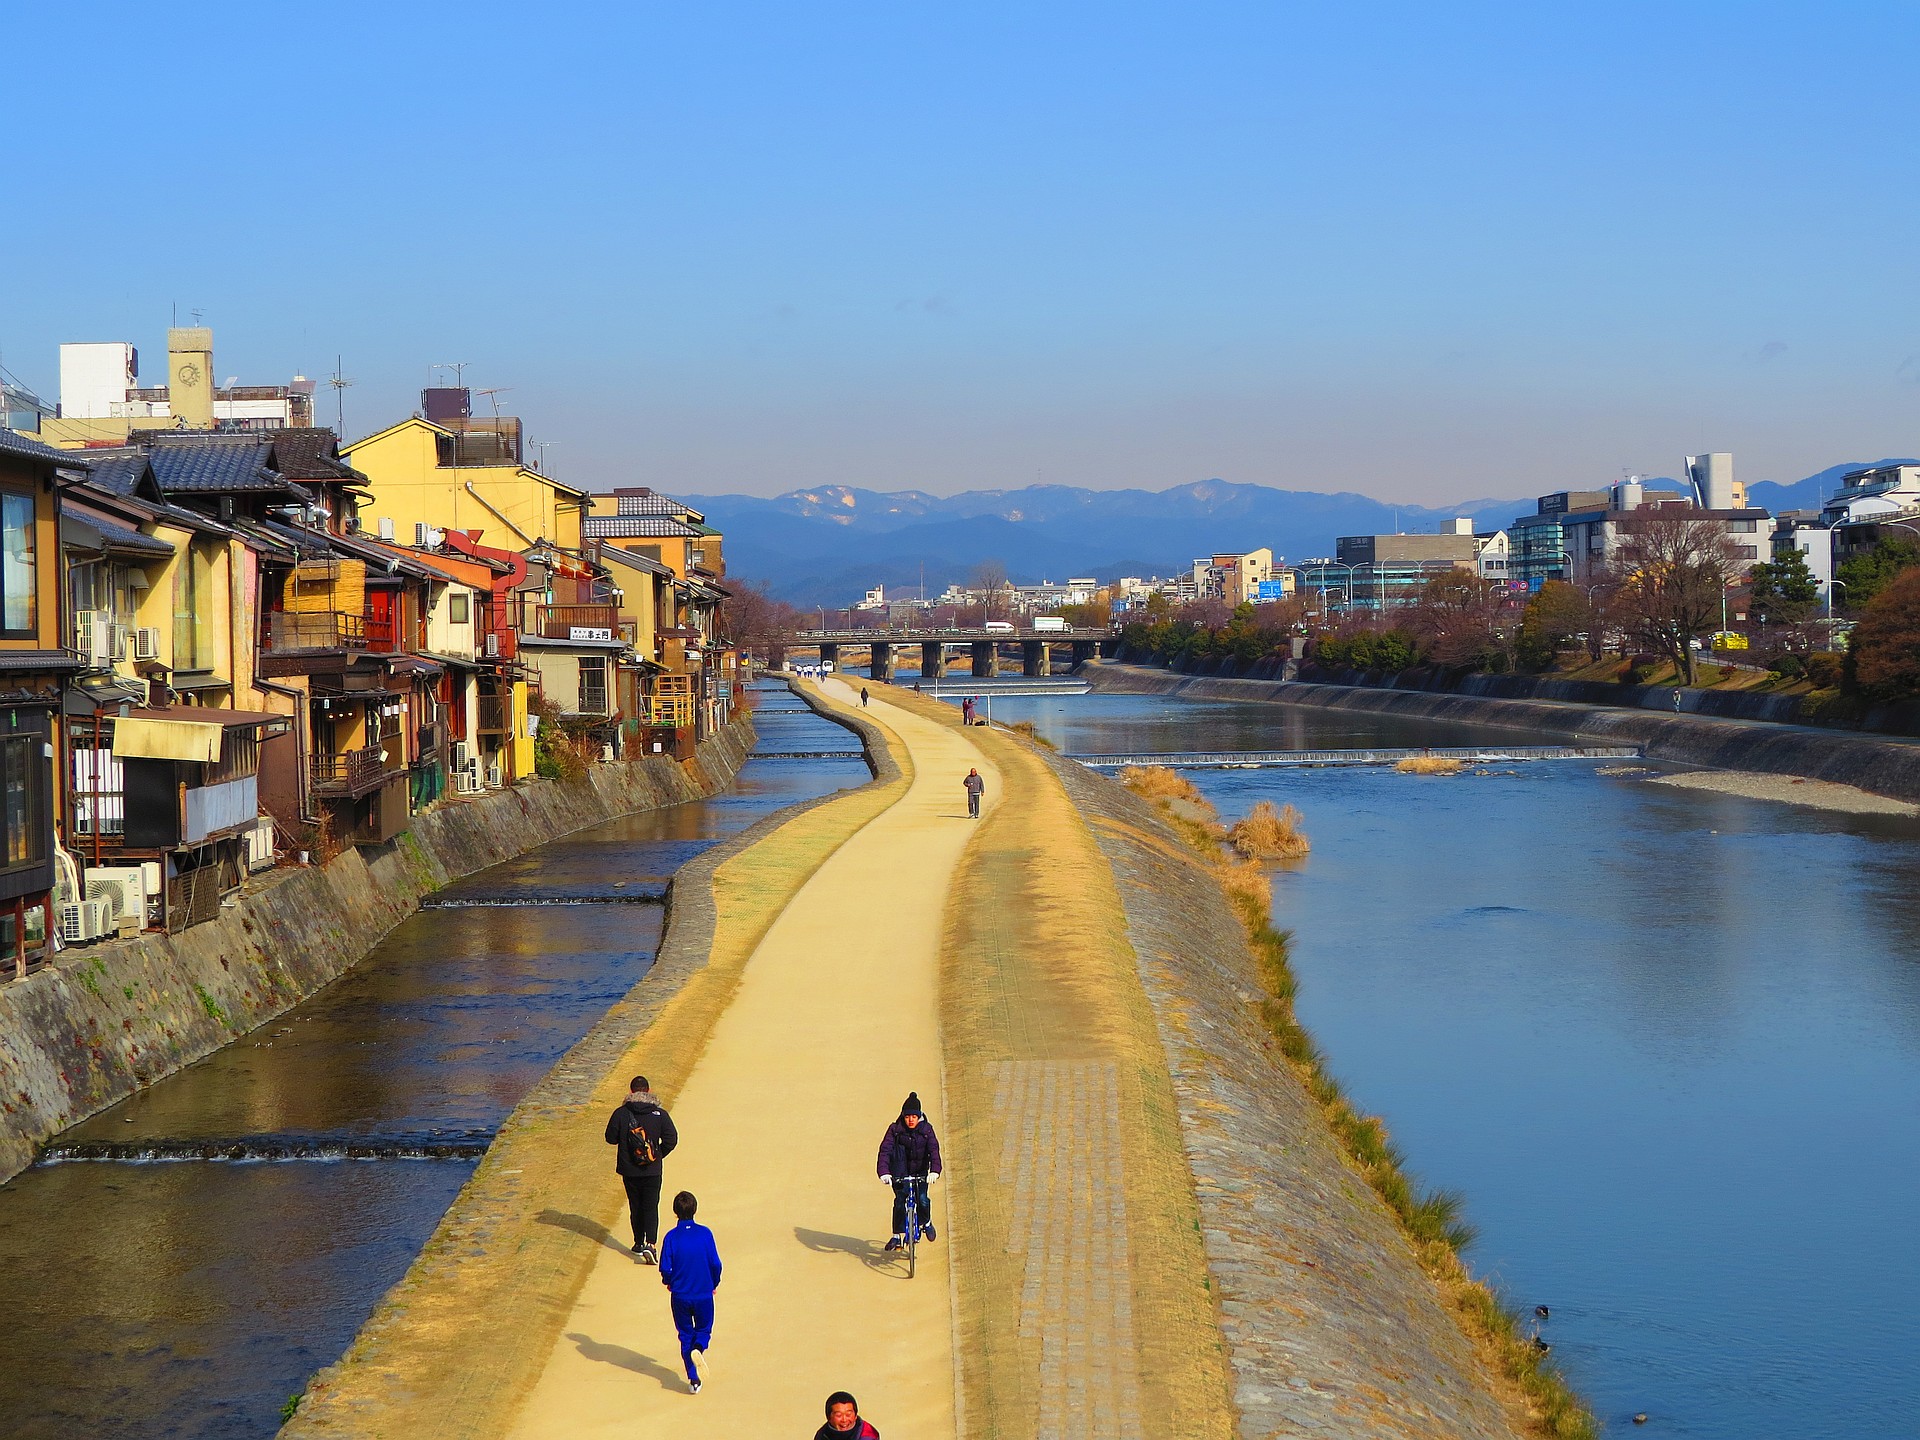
x: 339, y: 382
x: 541, y: 446
x: 497, y: 391
x: 196, y: 315
x: 459, y: 368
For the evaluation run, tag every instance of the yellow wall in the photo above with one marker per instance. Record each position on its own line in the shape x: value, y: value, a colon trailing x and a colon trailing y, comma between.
x: 521, y: 745
x: 510, y: 505
x: 49, y: 562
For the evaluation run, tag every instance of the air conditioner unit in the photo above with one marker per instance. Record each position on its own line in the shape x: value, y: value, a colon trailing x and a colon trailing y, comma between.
x: 124, y: 889
x: 96, y: 639
x: 118, y: 641
x: 493, y: 645
x: 84, y: 921
x: 260, y: 850
x: 422, y: 534
x: 466, y: 782
x: 493, y: 775
x: 146, y: 643
x: 462, y: 755
x: 83, y: 623
x: 385, y: 527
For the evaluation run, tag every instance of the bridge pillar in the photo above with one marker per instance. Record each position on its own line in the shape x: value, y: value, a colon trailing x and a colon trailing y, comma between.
x: 933, y: 660
x: 829, y: 654
x: 986, y: 659
x: 881, y: 666
x: 1083, y: 651
x: 1033, y: 659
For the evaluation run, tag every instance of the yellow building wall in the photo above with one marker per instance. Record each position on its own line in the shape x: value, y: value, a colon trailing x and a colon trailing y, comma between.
x: 521, y: 746
x: 509, y: 505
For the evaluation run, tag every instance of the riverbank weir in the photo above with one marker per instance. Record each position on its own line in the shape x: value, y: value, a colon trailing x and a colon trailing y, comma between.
x: 104, y: 1022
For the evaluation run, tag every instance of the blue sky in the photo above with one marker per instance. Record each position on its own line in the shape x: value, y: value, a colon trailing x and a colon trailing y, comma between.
x: 1425, y: 252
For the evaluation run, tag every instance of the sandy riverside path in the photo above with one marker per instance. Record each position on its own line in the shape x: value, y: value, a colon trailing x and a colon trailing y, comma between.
x: 835, y: 1020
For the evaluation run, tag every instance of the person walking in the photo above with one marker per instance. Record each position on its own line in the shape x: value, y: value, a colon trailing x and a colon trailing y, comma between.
x: 843, y: 1420
x: 909, y: 1148
x: 863, y: 697
x: 644, y: 1134
x: 976, y: 787
x: 690, y: 1269
x: 966, y: 711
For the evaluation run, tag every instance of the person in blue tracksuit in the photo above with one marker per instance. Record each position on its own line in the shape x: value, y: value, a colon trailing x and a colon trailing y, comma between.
x: 690, y: 1269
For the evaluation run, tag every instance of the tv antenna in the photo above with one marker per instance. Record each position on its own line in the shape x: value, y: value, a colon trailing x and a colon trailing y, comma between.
x: 497, y: 391
x: 339, y: 382
x: 541, y: 446
x: 459, y: 368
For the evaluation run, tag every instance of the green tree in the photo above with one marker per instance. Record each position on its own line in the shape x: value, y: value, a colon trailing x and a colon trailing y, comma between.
x: 1556, y: 613
x: 1784, y: 590
x: 1886, y: 642
x: 1865, y: 576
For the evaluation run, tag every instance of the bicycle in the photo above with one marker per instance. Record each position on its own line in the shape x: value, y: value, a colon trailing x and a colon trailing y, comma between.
x: 911, y: 1194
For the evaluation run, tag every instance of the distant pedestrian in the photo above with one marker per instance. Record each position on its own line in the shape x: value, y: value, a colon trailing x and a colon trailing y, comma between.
x: 1676, y: 702
x: 644, y: 1134
x: 966, y: 711
x: 909, y: 1148
x: 863, y: 697
x: 690, y: 1269
x: 976, y: 787
x: 843, y: 1419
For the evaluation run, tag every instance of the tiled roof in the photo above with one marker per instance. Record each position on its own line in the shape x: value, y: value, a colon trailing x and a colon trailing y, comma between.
x: 214, y: 464
x: 311, y: 454
x: 645, y: 502
x: 635, y: 527
x: 637, y: 562
x: 118, y: 470
x: 95, y: 532
x: 23, y: 447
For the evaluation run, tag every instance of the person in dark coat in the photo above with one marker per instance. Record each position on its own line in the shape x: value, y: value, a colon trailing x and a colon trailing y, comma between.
x: 843, y: 1420
x: 863, y: 697
x: 909, y: 1148
x: 976, y: 787
x: 690, y: 1269
x: 644, y: 1136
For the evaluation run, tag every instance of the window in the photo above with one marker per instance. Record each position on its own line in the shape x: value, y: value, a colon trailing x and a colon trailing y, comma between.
x: 457, y: 608
x: 16, y: 563
x: 1743, y: 527
x: 23, y: 800
x: 593, y: 685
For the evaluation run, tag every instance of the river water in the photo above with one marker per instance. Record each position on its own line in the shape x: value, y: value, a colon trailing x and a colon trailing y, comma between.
x: 190, y: 1297
x: 1666, y: 1045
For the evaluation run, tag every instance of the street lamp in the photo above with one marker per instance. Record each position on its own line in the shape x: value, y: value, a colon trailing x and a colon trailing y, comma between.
x: 1830, y: 584
x: 1336, y: 565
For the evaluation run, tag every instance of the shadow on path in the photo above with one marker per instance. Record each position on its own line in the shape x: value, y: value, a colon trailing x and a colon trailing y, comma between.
x: 581, y: 1225
x: 626, y: 1359
x: 874, y: 1257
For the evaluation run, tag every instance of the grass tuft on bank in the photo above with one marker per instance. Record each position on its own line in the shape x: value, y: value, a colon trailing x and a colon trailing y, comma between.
x: 1432, y: 1219
x: 1266, y: 833
x: 1430, y: 765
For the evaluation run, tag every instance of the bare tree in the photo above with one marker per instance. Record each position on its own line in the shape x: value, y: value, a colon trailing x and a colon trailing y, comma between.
x: 990, y: 578
x: 1457, y: 617
x: 758, y: 623
x: 1670, y: 578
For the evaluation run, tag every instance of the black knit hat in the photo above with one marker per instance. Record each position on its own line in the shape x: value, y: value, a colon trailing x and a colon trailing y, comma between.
x: 912, y: 1107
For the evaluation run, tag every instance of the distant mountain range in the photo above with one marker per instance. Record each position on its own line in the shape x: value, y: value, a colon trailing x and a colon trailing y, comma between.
x: 827, y: 546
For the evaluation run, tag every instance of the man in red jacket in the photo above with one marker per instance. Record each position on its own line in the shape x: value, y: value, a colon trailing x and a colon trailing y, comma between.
x: 843, y: 1420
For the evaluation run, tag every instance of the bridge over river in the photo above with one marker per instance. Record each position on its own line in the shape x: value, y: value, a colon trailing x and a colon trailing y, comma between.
x: 982, y: 644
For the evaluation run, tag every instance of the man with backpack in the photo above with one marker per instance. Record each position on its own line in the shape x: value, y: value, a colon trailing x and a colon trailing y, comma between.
x: 643, y: 1134
x: 909, y: 1148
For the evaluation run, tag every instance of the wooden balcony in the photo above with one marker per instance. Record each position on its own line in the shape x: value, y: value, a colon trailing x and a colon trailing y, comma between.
x: 560, y: 622
x: 495, y: 715
x: 289, y: 632
x: 352, y: 773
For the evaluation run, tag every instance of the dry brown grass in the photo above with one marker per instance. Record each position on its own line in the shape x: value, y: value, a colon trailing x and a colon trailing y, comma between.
x: 1037, y: 967
x: 1265, y: 833
x: 1430, y: 765
x: 1156, y: 782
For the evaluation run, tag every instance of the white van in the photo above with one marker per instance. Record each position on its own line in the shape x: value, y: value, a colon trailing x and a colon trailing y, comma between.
x: 1006, y: 625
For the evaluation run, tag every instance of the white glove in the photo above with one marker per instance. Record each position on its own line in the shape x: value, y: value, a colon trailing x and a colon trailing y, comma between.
x: 933, y: 1178
x: 886, y: 1180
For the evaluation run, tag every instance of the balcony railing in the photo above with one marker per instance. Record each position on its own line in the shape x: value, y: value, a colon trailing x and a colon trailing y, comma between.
x: 496, y: 714
x: 558, y: 622
x: 323, y: 630
x: 380, y: 631
x: 349, y: 773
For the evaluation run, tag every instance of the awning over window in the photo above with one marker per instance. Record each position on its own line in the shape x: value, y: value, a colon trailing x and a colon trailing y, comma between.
x: 182, y: 732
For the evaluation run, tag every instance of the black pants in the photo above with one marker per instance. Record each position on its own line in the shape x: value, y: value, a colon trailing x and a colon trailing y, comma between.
x: 643, y: 1206
x: 925, y: 1207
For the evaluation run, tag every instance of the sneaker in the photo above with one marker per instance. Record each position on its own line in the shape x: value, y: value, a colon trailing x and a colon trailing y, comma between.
x: 693, y: 1386
x: 646, y: 1256
x: 927, y: 1230
x: 898, y: 1242
x: 702, y: 1364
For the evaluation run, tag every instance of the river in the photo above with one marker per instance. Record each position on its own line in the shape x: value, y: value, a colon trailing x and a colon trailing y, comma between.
x: 1666, y: 1045
x: 176, y: 1295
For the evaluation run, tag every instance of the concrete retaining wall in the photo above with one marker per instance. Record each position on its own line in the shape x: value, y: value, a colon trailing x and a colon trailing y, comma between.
x: 1885, y: 767
x: 107, y: 1020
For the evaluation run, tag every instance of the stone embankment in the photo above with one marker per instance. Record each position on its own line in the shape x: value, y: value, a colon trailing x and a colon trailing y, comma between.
x: 1884, y: 767
x: 1332, y: 1326
x: 105, y: 1021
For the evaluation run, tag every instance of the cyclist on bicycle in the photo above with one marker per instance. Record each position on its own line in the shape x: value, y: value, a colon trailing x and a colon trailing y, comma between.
x: 909, y: 1149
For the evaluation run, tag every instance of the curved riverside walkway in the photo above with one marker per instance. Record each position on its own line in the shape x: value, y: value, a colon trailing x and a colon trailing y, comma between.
x: 836, y: 1018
